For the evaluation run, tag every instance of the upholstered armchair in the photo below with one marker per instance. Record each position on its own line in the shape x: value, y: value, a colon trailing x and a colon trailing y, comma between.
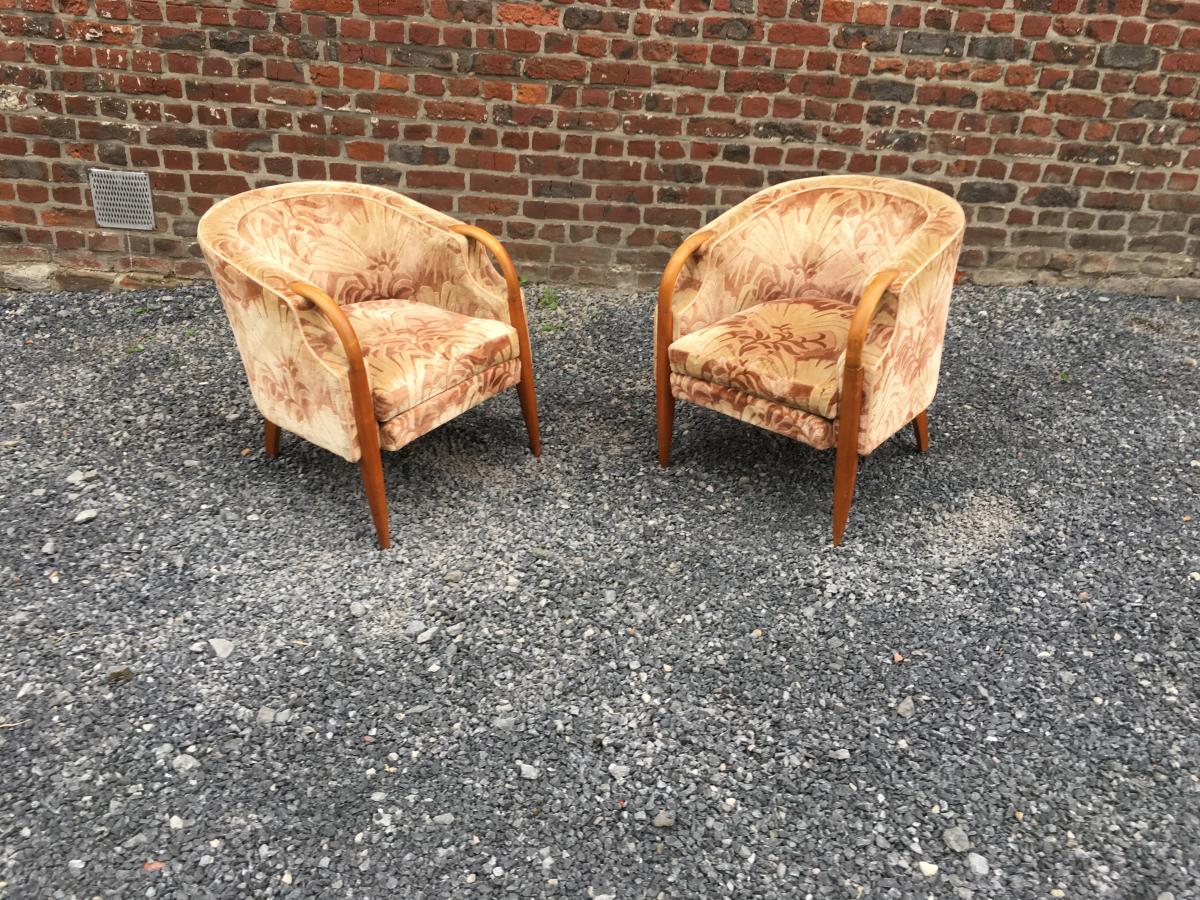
x: 365, y: 319
x: 816, y: 309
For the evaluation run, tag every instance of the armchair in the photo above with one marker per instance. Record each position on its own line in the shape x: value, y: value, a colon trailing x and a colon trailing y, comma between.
x: 817, y: 309
x: 365, y: 319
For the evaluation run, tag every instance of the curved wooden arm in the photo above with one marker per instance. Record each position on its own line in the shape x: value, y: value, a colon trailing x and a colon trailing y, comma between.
x: 516, y: 305
x: 850, y: 400
x: 360, y: 385
x: 516, y: 316
x: 670, y: 275
x: 864, y: 313
x: 516, y: 308
x: 665, y: 320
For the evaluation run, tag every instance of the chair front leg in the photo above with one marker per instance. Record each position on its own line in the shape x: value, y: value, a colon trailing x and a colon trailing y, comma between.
x: 371, y: 468
x: 664, y: 325
x: 846, y: 465
x: 366, y: 425
x: 850, y: 401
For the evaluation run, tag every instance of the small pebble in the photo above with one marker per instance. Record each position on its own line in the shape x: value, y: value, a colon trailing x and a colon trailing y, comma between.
x: 956, y: 839
x: 978, y: 864
x: 185, y: 762
x: 85, y: 515
x: 928, y: 869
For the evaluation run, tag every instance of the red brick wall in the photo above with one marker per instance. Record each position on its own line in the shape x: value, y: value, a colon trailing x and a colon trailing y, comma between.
x: 591, y: 136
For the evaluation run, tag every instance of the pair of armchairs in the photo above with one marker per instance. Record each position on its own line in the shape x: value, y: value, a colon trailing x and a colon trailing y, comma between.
x: 816, y: 309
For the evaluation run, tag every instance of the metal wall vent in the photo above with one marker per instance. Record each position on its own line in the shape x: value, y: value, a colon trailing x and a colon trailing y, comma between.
x: 122, y: 199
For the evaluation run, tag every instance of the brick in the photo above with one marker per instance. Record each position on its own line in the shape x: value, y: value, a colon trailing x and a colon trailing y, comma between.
x: 932, y: 43
x: 1123, y: 56
x: 594, y: 134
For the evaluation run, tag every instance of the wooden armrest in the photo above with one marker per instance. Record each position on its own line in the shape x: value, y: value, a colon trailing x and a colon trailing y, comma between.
x: 360, y: 385
x: 516, y: 305
x: 507, y: 268
x: 872, y: 294
x: 666, y: 285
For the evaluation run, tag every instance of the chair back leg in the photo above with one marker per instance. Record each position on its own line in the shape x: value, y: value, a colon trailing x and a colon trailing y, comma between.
x: 271, y: 438
x: 921, y: 429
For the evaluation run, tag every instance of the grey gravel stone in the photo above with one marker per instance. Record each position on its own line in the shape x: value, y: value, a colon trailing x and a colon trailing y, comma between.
x: 85, y: 515
x: 1045, y: 531
x: 840, y: 753
x: 357, y: 609
x: 928, y: 869
x: 905, y: 708
x: 175, y: 822
x: 185, y: 762
x: 529, y: 772
x: 664, y: 819
x: 618, y: 771
x: 221, y: 647
x: 956, y: 839
x: 978, y: 864
x: 444, y: 819
x: 427, y: 635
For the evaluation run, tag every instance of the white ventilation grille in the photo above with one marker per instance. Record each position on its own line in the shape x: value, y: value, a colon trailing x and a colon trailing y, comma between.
x: 122, y: 199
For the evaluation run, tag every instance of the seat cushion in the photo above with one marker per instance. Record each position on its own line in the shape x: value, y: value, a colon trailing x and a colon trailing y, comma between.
x: 785, y: 351
x: 415, y: 351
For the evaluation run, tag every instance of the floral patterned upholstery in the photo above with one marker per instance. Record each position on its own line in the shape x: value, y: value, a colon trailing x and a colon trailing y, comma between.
x: 429, y: 308
x: 415, y: 351
x: 762, y: 309
x: 784, y: 351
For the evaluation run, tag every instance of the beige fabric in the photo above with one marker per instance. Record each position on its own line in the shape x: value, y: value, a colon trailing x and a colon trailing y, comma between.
x: 809, y: 243
x: 785, y: 351
x: 438, y: 410
x: 415, y: 351
x: 815, y: 431
x: 392, y: 264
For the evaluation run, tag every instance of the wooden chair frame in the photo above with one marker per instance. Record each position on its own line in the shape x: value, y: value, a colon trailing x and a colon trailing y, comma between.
x: 366, y: 425
x: 853, y: 375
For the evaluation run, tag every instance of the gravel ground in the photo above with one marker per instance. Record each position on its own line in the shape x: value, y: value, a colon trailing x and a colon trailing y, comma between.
x: 582, y: 676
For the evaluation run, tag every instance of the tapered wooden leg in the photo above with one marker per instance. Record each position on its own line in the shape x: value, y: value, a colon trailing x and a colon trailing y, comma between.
x: 271, y: 438
x: 666, y: 424
x: 663, y: 398
x: 921, y: 429
x: 846, y: 467
x: 844, y: 473
x: 371, y: 467
x: 528, y: 395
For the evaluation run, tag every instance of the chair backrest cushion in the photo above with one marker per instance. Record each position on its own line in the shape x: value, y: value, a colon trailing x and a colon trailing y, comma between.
x: 809, y: 238
x: 354, y: 245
